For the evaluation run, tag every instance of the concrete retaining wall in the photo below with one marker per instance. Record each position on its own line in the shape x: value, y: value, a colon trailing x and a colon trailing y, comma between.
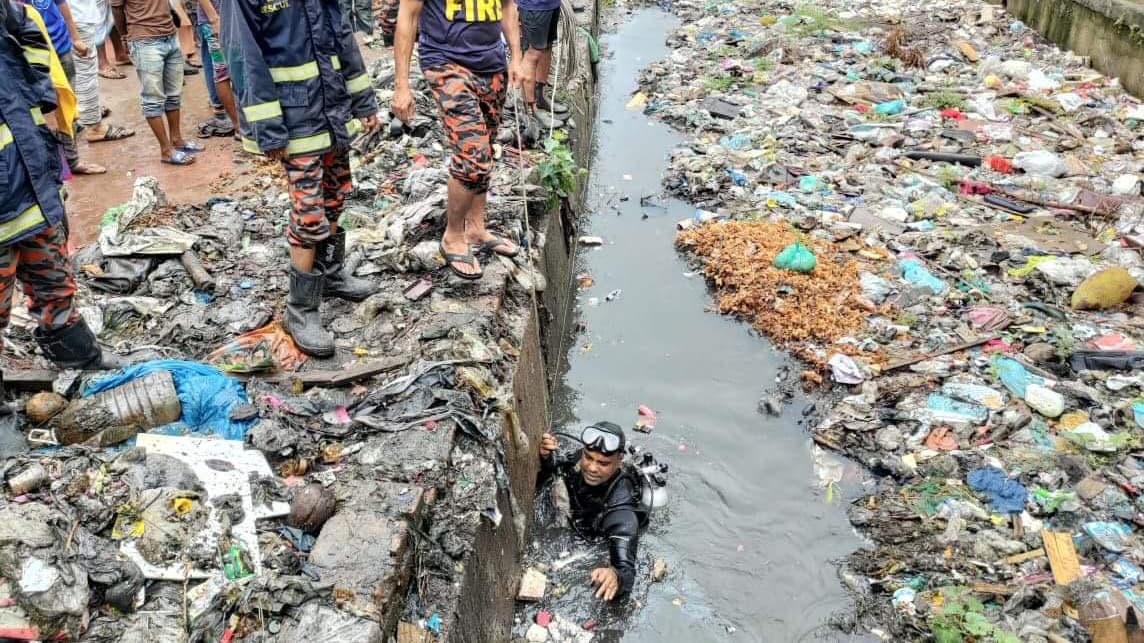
x: 1110, y: 32
x: 485, y: 599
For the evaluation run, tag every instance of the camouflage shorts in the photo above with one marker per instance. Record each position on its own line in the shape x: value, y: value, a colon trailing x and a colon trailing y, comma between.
x: 319, y: 186
x: 470, y: 106
x: 40, y: 263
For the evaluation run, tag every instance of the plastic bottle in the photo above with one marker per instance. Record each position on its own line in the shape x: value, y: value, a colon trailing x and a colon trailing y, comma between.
x: 140, y: 404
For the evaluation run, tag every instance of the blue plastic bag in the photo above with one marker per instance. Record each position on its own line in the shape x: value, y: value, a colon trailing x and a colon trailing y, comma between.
x: 1005, y: 495
x: 914, y: 272
x: 1014, y: 375
x: 206, y: 395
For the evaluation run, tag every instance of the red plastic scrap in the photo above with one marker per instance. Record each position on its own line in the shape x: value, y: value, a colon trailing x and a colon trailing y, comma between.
x: 543, y: 618
x: 999, y: 164
x: 970, y: 188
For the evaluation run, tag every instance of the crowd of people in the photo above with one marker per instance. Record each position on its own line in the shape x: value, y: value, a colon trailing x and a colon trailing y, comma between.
x: 287, y: 79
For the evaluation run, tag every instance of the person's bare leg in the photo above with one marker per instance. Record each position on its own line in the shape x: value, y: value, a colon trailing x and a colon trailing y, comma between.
x: 543, y: 66
x: 457, y: 207
x: 532, y: 59
x: 175, y: 127
x: 475, y: 231
x: 303, y: 258
x: 104, y: 62
x: 226, y: 97
x: 159, y: 129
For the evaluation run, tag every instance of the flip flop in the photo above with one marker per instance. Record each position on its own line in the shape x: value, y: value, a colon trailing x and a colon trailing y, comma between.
x: 496, y: 242
x: 112, y: 74
x: 179, y: 157
x: 190, y: 147
x: 113, y: 133
x: 468, y: 258
x: 84, y: 168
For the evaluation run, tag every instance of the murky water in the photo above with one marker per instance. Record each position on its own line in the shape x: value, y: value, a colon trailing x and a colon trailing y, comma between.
x: 749, y: 537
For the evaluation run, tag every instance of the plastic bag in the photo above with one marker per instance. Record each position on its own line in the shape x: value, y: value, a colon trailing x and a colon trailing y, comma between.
x: 1014, y: 375
x: 1005, y: 495
x: 206, y: 395
x: 1041, y: 163
x: 264, y: 348
x: 796, y: 257
x: 914, y: 272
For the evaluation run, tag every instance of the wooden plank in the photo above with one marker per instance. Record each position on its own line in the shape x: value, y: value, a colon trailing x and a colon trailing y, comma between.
x: 331, y: 378
x: 1062, y: 556
x: 938, y: 353
x: 410, y: 633
x: 1020, y: 558
x: 994, y: 589
x: 33, y: 380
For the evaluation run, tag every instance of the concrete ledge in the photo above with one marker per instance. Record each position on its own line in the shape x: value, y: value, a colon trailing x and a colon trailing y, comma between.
x: 1110, y: 32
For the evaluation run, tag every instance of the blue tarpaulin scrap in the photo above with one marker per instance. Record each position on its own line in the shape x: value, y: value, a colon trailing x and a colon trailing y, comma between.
x: 206, y: 395
x: 1005, y: 495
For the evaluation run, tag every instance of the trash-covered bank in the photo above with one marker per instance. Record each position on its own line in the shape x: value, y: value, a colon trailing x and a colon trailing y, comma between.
x: 224, y: 486
x: 942, y: 216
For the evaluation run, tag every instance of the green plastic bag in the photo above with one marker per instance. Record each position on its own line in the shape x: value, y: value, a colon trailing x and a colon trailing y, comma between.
x: 796, y: 257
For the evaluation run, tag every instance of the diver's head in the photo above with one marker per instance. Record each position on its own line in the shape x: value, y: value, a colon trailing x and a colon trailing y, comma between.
x: 603, y: 452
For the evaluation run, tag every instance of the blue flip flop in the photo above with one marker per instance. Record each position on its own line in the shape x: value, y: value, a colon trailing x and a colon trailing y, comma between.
x: 179, y: 157
x: 191, y: 147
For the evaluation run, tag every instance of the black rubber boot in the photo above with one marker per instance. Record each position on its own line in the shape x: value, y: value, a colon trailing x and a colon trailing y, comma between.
x: 329, y: 260
x: 74, y: 348
x: 303, y: 319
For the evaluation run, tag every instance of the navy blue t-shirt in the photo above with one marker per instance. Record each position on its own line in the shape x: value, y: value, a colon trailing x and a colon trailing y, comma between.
x: 465, y: 32
x: 538, y: 5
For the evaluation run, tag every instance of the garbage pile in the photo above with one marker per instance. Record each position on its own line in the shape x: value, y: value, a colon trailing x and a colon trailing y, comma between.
x: 972, y: 195
x: 226, y: 487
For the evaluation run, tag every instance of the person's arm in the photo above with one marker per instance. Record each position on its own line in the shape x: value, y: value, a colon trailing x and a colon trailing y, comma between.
x: 78, y: 44
x: 207, y: 7
x: 363, y: 100
x: 37, y: 53
x: 510, y: 24
x: 120, y: 16
x: 621, y: 526
x: 408, y: 16
x: 258, y: 100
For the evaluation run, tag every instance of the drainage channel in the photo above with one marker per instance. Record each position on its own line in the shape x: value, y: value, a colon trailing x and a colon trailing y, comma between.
x: 749, y: 537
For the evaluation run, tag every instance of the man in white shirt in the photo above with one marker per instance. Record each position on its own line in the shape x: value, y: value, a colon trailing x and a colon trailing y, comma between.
x: 93, y: 22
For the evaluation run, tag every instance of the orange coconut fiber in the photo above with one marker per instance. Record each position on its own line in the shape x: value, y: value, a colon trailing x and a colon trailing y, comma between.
x: 815, y: 307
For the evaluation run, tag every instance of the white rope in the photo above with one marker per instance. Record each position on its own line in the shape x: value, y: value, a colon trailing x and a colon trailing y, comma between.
x: 554, y: 84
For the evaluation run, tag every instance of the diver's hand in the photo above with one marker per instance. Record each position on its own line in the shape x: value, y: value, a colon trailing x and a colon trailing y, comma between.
x: 607, y: 582
x: 548, y: 445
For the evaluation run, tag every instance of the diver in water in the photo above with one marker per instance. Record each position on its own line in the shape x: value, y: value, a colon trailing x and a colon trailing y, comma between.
x: 604, y: 499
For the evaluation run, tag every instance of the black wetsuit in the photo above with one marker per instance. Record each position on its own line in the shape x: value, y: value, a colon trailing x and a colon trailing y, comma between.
x: 607, y: 510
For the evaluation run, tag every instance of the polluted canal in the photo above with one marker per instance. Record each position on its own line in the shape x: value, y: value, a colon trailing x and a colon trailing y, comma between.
x: 750, y: 535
